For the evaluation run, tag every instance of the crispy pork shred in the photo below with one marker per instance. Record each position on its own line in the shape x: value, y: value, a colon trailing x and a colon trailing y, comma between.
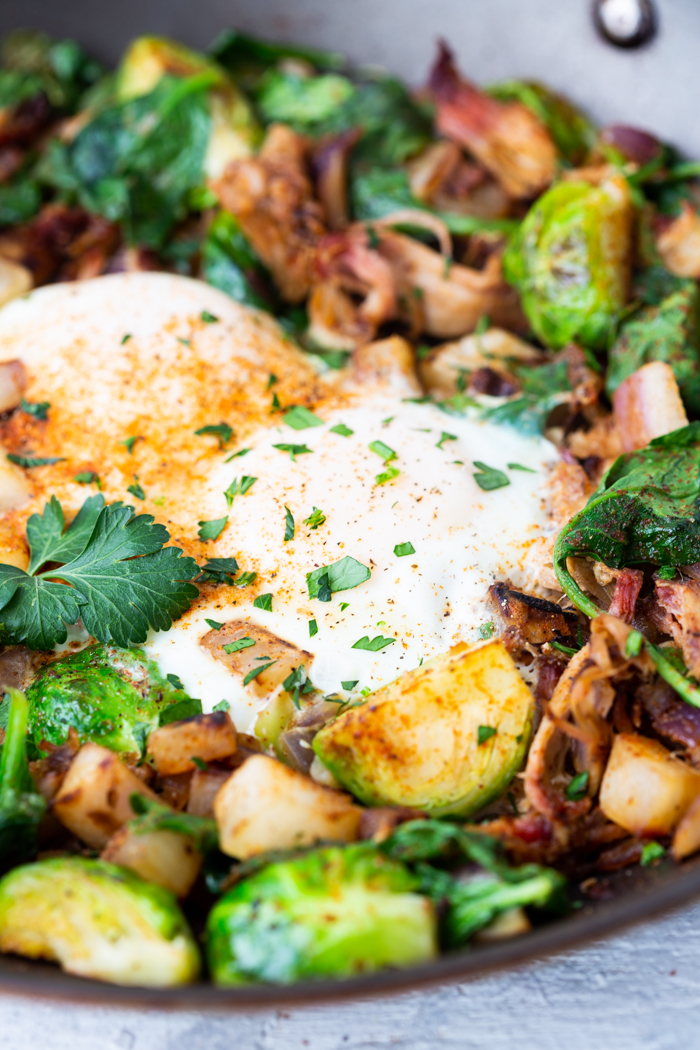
x: 678, y: 602
x: 647, y: 405
x: 271, y: 195
x: 506, y: 137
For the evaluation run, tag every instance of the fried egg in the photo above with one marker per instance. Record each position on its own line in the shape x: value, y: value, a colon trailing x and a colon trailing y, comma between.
x: 155, y: 357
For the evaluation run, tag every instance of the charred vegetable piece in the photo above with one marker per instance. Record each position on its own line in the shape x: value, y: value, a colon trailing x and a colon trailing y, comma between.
x: 114, y: 697
x: 21, y: 805
x: 572, y: 132
x: 97, y: 920
x: 668, y: 332
x: 447, y: 737
x: 570, y: 262
x: 332, y: 912
x: 471, y: 899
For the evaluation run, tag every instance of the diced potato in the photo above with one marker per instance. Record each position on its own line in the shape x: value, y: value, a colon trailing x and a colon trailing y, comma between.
x: 441, y: 369
x: 511, y: 923
x: 208, y: 737
x: 267, y: 644
x: 15, y: 280
x: 387, y: 362
x: 13, y: 376
x: 264, y: 805
x: 14, y: 489
x: 415, y: 742
x: 164, y: 857
x: 645, y: 789
x: 204, y: 787
x: 93, y: 801
x: 686, y: 840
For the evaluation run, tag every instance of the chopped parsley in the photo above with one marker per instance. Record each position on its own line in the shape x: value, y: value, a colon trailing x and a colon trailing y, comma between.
x: 299, y: 418
x: 215, y: 626
x: 238, y: 488
x: 246, y: 578
x: 34, y: 461
x: 130, y: 442
x: 295, y: 683
x: 315, y: 518
x: 349, y: 686
x: 576, y: 790
x: 293, y: 450
x: 482, y: 325
x: 38, y: 409
x: 208, y: 318
x: 256, y: 671
x: 485, y: 733
x: 88, y: 477
x: 219, y: 570
x: 288, y: 524
x: 175, y: 681
x: 341, y: 429
x: 222, y: 431
x: 488, y: 478
x: 241, y: 452
x: 211, y: 530
x: 116, y: 575
x: 402, y: 549
x: 386, y: 453
x: 313, y: 628
x: 185, y: 342
x: 263, y: 601
x: 275, y: 406
x: 199, y: 763
x: 125, y: 338
x: 566, y: 649
x: 223, y: 705
x: 342, y: 575
x: 344, y: 606
x: 373, y: 646
x: 387, y: 475
x: 445, y: 437
x: 272, y: 379
x: 136, y: 490
x: 651, y: 851
x: 240, y: 643
x: 486, y: 630
x: 519, y: 466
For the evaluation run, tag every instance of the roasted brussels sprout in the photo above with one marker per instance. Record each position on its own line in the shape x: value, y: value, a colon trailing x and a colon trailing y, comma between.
x: 332, y: 912
x: 570, y: 261
x: 97, y: 920
x: 447, y: 737
x: 111, y: 696
x: 21, y: 805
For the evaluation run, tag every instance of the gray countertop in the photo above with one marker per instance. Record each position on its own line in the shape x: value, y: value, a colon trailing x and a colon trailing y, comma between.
x: 637, y: 991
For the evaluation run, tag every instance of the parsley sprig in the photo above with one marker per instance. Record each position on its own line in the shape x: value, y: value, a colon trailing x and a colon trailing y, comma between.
x: 116, y: 575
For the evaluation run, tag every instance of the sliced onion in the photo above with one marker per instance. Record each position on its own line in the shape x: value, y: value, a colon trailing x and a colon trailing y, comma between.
x: 417, y: 217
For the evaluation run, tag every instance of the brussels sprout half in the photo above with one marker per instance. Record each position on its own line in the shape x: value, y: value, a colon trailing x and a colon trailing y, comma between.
x: 97, y: 920
x: 333, y: 912
x: 114, y: 697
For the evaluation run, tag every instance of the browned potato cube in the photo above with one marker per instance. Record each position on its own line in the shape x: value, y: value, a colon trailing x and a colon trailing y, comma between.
x: 285, y: 655
x: 204, y: 788
x: 93, y: 801
x: 208, y: 737
x: 163, y: 857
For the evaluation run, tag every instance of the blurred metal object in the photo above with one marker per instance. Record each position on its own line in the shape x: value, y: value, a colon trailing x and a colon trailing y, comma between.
x: 625, y: 23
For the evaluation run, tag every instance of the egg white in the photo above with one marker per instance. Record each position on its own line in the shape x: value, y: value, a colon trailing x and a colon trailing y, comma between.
x: 156, y: 386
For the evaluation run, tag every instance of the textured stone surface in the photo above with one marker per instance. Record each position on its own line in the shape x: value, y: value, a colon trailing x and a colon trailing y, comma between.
x: 638, y: 991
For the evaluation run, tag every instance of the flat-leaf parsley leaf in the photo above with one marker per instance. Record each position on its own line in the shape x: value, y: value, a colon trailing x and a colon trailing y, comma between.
x: 489, y: 478
x: 373, y: 646
x: 342, y: 575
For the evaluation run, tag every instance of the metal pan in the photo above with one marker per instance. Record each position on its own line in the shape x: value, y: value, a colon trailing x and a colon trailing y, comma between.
x: 539, y: 39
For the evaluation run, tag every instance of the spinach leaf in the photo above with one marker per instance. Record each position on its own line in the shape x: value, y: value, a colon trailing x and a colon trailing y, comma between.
x: 20, y: 200
x: 33, y: 63
x: 646, y: 509
x: 247, y: 57
x: 230, y: 264
x: 137, y: 161
x: 668, y: 332
x: 304, y: 103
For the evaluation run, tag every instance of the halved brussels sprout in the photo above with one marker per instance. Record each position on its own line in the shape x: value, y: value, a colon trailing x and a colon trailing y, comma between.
x: 447, y: 737
x: 570, y: 261
x: 334, y: 912
x: 97, y: 920
x: 111, y: 696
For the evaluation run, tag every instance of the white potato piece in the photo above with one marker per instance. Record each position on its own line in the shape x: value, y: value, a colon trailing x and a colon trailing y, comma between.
x: 645, y: 789
x: 265, y: 805
x: 15, y: 280
x: 441, y: 369
x: 13, y: 383
x: 14, y: 490
x: 686, y: 839
x: 93, y: 801
x: 174, y: 747
x: 163, y: 857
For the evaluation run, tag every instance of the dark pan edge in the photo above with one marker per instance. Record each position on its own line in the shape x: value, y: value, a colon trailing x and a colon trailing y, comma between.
x: 674, y: 889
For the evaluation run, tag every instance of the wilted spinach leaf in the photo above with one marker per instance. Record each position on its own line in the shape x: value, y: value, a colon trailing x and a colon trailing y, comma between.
x: 230, y: 264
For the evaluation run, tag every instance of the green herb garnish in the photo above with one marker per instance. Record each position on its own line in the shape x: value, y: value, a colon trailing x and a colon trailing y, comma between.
x: 341, y: 429
x: 300, y: 418
x: 288, y: 524
x: 445, y: 437
x: 349, y: 686
x: 576, y: 789
x: 34, y: 461
x: 238, y: 488
x: 257, y: 671
x: 519, y: 466
x: 485, y: 733
x: 219, y: 570
x: 386, y: 453
x: 315, y: 518
x: 215, y: 626
x: 651, y: 851
x: 136, y: 490
x: 211, y: 530
x: 208, y: 319
x: 373, y: 646
x: 130, y: 442
x: 241, y: 452
x: 293, y: 450
x: 402, y: 549
x: 222, y: 431
x: 387, y: 475
x: 342, y: 575
x: 88, y: 477
x: 263, y: 601
x: 38, y: 409
x: 240, y: 643
x: 246, y: 578
x: 489, y: 478
x: 313, y: 628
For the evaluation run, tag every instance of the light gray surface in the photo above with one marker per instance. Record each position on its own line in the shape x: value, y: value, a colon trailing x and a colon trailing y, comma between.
x: 639, y: 991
